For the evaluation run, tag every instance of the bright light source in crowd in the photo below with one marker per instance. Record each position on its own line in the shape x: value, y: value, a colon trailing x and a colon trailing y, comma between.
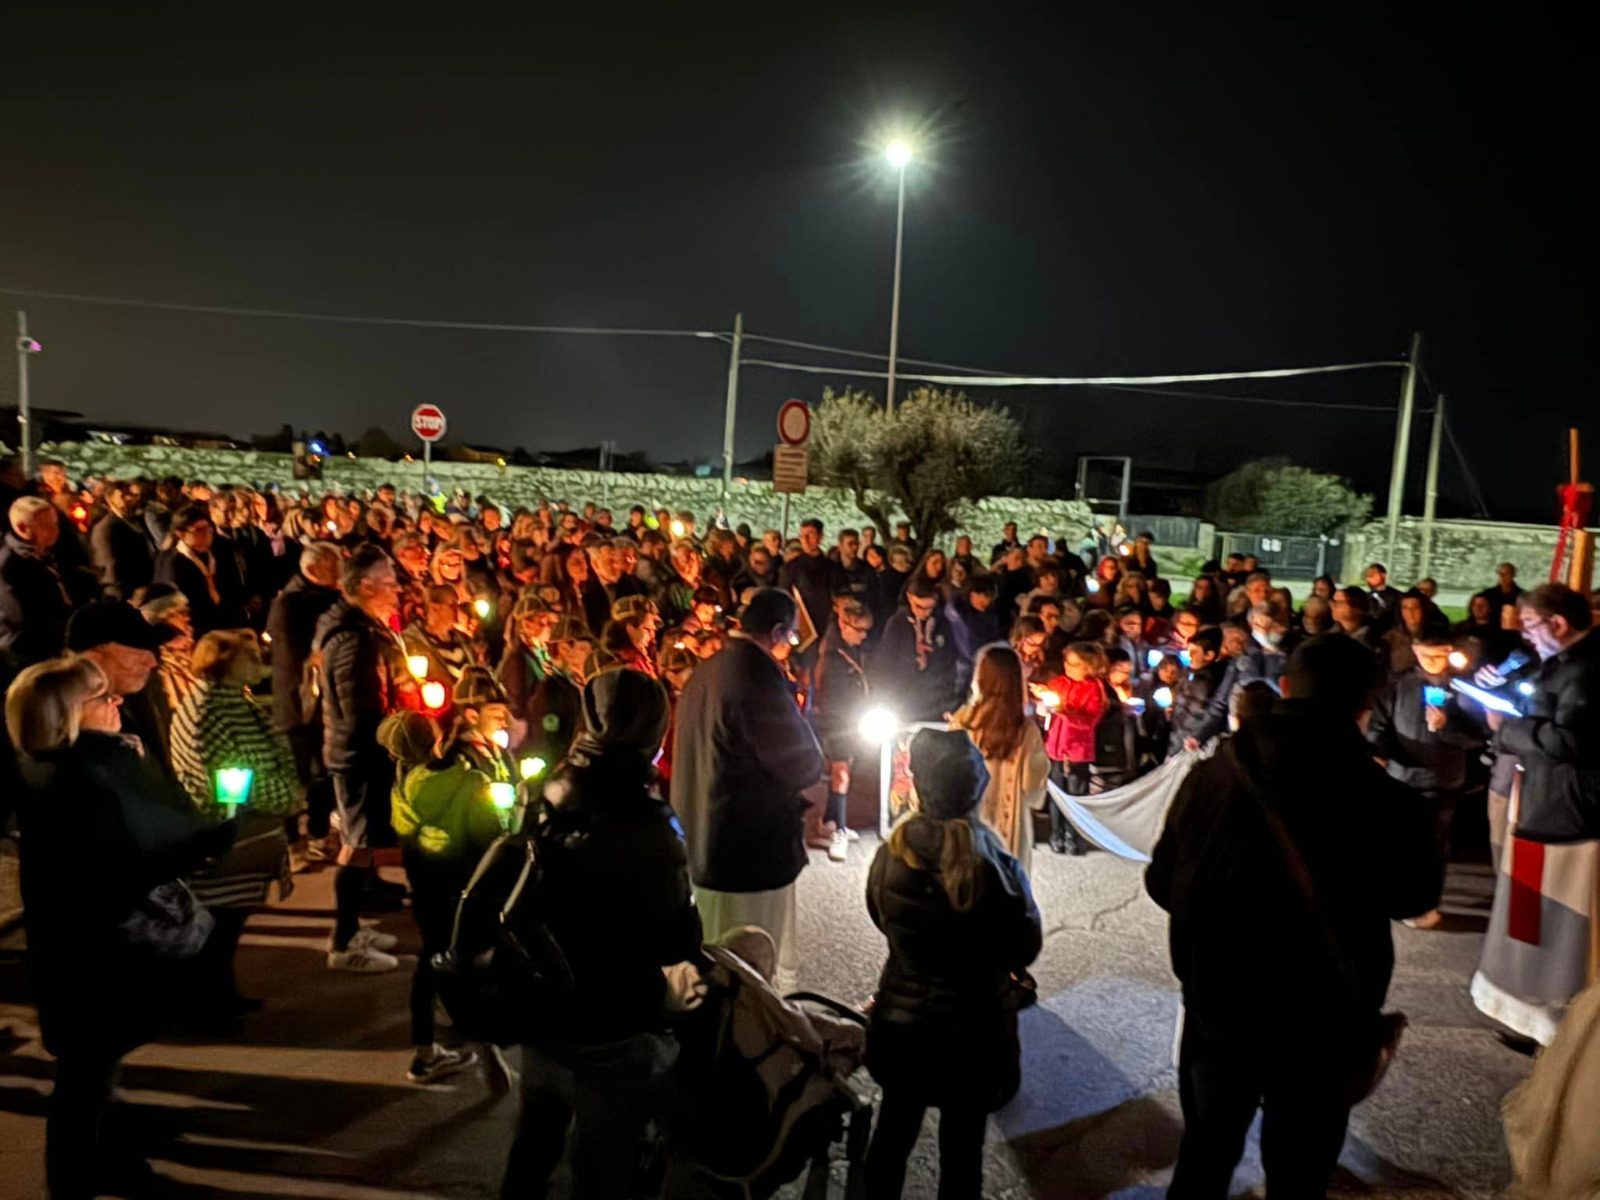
x: 1135, y: 705
x: 532, y: 766
x: 1185, y: 659
x: 677, y: 529
x: 1459, y: 660
x: 1153, y: 658
x: 317, y: 448
x: 333, y: 527
x: 433, y: 694
x: 483, y: 608
x: 898, y: 152
x: 1434, y: 697
x: 501, y: 738
x: 504, y: 795
x: 417, y: 664
x: 794, y: 639
x: 879, y: 724
x: 1092, y: 586
x: 266, y: 638
x: 1124, y: 549
x: 1526, y: 687
x: 1049, y: 700
x: 233, y: 785
x: 1163, y: 697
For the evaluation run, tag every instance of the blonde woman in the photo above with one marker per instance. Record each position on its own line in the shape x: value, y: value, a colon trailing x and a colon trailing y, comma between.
x: 997, y: 721
x: 99, y: 861
x: 220, y: 727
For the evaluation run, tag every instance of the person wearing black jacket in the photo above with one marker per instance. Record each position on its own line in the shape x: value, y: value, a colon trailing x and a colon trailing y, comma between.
x: 210, y: 581
x: 1426, y: 739
x: 362, y: 672
x: 598, y: 1067
x: 811, y: 575
x: 1284, y: 859
x: 1558, y: 742
x: 959, y: 917
x: 743, y: 754
x: 974, y: 623
x: 914, y: 667
x: 1192, y: 699
x: 35, y: 601
x: 94, y: 847
x: 119, y: 544
x: 839, y: 699
x: 292, y: 626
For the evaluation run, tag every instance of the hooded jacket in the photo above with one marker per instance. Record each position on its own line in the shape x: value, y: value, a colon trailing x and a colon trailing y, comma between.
x: 1559, y: 745
x: 362, y: 667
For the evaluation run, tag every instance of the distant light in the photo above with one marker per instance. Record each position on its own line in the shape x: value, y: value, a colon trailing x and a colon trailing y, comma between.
x: 1459, y: 660
x: 1124, y: 549
x: 266, y: 639
x: 878, y: 725
x: 677, y: 529
x: 333, y: 527
x: 898, y: 152
x: 433, y: 694
x: 532, y: 766
x: 1163, y: 697
x: 1092, y: 586
x: 499, y: 462
x: 500, y: 738
x: 1153, y: 658
x: 417, y: 664
x: 483, y: 608
x: 1526, y: 687
x: 317, y: 448
x: 504, y: 795
x: 350, y: 454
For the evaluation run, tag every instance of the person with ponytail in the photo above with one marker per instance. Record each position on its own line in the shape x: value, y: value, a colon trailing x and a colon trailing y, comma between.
x: 961, y: 923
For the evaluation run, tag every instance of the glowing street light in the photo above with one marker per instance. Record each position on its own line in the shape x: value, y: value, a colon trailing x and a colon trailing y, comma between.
x: 898, y: 153
x: 878, y: 725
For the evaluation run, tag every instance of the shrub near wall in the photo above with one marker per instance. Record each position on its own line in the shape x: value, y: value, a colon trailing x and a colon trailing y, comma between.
x: 512, y: 487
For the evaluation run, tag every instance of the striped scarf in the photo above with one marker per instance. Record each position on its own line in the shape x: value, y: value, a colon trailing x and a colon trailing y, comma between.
x: 218, y: 725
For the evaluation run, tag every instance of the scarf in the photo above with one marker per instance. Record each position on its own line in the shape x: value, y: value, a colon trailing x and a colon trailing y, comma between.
x: 207, y: 569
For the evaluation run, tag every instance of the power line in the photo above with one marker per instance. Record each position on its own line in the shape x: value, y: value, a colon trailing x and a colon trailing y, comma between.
x: 1067, y: 381
x: 1472, y: 482
x: 917, y: 362
x: 1371, y: 408
x: 340, y: 318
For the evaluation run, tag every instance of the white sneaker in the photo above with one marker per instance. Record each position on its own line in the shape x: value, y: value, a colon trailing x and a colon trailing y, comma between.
x: 369, y: 938
x: 443, y: 1063
x: 361, y: 960
x: 852, y: 835
x: 839, y: 845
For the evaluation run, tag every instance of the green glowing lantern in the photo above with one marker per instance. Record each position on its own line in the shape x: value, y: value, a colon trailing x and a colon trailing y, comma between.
x: 532, y: 766
x: 504, y: 795
x: 233, y: 786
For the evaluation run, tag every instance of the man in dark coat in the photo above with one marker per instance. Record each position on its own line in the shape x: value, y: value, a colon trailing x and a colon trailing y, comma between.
x: 811, y: 575
x: 1284, y: 859
x: 1192, y: 699
x: 34, y: 600
x: 1385, y: 599
x: 362, y: 673
x: 607, y: 583
x: 974, y: 623
x: 292, y: 626
x: 742, y: 756
x: 210, y: 581
x: 914, y: 669
x: 1504, y: 593
x: 119, y: 544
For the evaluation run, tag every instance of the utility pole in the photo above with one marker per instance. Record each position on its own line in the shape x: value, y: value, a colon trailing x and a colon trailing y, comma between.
x: 25, y: 347
x: 730, y: 417
x: 894, y: 306
x: 1430, y: 497
x: 1402, y: 444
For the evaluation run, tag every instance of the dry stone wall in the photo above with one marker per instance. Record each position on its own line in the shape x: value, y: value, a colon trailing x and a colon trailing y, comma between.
x: 510, y: 486
x: 1465, y: 553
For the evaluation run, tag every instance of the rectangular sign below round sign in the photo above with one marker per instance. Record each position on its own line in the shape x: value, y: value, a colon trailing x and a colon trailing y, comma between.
x: 794, y: 422
x: 789, y: 466
x: 427, y: 422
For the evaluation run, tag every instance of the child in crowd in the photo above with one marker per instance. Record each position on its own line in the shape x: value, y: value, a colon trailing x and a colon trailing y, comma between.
x: 1081, y: 701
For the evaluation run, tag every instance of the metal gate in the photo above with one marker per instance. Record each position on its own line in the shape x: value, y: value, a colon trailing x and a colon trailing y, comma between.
x: 1291, y: 557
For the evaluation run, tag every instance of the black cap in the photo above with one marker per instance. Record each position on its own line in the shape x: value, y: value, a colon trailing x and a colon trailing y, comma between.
x: 115, y: 622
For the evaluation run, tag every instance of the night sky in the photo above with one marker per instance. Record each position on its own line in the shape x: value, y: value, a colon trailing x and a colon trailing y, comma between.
x: 1100, y: 193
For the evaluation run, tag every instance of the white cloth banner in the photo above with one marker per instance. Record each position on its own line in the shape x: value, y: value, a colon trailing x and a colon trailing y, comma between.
x: 1127, y: 821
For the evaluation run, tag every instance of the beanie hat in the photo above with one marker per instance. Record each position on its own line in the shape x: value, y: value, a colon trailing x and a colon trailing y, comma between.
x: 627, y: 608
x: 478, y: 687
x: 947, y: 772
x: 408, y: 736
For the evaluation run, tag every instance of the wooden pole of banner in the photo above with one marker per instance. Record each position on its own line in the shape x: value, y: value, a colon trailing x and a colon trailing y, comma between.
x: 1580, y: 572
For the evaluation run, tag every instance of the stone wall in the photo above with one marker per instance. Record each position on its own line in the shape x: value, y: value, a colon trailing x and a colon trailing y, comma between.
x: 748, y: 501
x: 1465, y: 553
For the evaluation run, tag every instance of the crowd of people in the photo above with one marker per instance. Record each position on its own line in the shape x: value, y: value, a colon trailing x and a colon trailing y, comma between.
x: 213, y: 689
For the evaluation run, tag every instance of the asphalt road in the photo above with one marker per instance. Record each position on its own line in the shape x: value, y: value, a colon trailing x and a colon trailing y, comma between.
x: 310, y: 1099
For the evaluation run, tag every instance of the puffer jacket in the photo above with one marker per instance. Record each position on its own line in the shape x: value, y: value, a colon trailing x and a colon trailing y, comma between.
x: 362, y: 668
x: 1559, y: 745
x: 1192, y: 699
x: 292, y: 622
x: 942, y: 1019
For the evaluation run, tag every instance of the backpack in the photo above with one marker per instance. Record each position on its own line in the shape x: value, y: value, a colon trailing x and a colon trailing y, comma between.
x: 504, y: 972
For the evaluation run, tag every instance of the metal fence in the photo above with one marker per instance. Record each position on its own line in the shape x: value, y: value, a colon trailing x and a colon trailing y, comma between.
x: 1290, y: 557
x: 1169, y: 531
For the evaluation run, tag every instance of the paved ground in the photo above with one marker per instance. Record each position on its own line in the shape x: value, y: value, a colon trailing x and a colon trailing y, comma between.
x: 310, y: 1100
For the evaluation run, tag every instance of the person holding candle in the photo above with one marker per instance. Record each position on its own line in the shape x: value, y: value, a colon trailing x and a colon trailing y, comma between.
x: 233, y: 764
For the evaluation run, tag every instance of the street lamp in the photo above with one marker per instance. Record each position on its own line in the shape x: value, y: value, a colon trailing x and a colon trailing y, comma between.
x: 898, y: 152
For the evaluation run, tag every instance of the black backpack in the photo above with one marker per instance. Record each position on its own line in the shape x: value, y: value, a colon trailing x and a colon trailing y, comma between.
x: 504, y: 972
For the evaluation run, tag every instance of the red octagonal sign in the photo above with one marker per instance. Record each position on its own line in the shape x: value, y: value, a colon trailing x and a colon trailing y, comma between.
x: 427, y: 422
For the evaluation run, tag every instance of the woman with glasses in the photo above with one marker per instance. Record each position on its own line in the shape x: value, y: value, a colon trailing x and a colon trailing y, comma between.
x: 108, y: 922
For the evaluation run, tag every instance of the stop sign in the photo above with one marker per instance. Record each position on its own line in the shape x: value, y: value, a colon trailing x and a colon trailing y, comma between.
x: 427, y: 422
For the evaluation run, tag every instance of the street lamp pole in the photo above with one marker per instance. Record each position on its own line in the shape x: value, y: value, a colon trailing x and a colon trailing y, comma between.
x: 899, y: 155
